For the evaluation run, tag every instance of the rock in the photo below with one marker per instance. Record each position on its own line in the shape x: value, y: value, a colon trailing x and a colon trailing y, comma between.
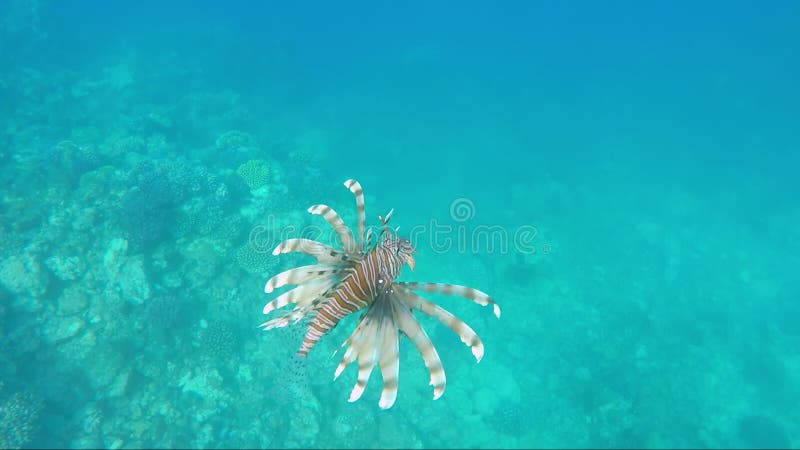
x: 120, y: 384
x: 72, y: 301
x: 104, y: 367
x: 66, y: 268
x: 205, y: 384
x: 114, y: 443
x: 125, y: 273
x: 22, y: 275
x: 60, y: 329
x: 86, y: 441
x: 115, y: 254
x: 80, y: 348
x: 303, y: 428
x: 133, y: 281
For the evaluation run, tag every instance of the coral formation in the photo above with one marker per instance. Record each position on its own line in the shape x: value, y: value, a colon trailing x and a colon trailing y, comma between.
x: 66, y: 161
x: 19, y: 420
x: 162, y: 312
x: 146, y: 221
x: 22, y: 274
x: 255, y: 172
x: 218, y: 341
x: 254, y: 260
x: 232, y: 140
x: 66, y: 268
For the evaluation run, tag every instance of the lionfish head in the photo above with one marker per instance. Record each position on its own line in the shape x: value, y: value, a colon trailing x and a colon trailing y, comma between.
x: 403, y: 249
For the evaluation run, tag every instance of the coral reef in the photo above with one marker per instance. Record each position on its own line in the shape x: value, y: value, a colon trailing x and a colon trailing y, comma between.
x: 134, y: 190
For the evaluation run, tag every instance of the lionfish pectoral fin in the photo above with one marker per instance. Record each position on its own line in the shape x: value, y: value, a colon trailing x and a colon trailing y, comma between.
x: 300, y: 275
x: 389, y: 363
x: 303, y: 294
x: 342, y: 364
x: 467, y: 335
x: 323, y: 253
x: 374, y: 341
x: 469, y: 293
x: 364, y: 371
x: 411, y: 328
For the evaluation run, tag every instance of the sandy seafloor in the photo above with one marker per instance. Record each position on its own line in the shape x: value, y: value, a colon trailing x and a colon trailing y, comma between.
x: 647, y: 152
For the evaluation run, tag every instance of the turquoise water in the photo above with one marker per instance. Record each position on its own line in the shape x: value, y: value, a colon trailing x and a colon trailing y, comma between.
x: 619, y: 177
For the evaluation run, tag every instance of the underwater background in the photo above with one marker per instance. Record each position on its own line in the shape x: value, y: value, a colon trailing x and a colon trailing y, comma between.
x: 620, y: 176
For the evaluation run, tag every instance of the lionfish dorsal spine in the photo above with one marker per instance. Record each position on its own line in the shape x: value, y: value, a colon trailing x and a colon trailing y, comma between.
x: 342, y: 231
x: 358, y: 193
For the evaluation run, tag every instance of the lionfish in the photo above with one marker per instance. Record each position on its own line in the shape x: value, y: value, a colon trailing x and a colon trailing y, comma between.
x: 361, y: 276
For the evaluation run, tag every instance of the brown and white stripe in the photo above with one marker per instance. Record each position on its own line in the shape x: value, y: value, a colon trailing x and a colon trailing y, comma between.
x: 360, y: 287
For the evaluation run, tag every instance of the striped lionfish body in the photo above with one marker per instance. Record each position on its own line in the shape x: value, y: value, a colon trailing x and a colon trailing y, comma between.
x: 361, y: 276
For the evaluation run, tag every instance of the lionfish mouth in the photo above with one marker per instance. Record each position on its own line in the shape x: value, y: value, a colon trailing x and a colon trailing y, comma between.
x: 355, y: 277
x: 411, y: 262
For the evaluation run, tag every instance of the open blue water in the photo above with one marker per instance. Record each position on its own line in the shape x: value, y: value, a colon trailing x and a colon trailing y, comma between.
x: 621, y: 177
